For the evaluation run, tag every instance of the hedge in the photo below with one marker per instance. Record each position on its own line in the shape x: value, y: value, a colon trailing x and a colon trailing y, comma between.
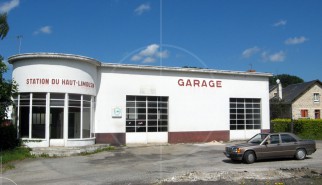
x: 8, y: 137
x: 305, y: 128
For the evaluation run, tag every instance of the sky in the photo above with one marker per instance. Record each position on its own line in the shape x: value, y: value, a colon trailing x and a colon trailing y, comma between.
x: 273, y: 36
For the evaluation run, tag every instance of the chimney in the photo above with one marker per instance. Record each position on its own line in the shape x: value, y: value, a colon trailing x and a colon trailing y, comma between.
x: 279, y: 89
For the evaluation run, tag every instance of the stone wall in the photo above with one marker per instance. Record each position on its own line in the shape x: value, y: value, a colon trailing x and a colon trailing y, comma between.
x: 306, y: 101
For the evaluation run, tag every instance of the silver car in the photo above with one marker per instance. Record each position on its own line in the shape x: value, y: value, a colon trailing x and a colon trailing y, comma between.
x: 273, y: 145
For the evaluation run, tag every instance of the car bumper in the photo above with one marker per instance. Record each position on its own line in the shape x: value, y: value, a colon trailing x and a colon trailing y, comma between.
x: 234, y: 156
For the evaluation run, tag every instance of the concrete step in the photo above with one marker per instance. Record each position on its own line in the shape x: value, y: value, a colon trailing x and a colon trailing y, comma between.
x: 66, y: 151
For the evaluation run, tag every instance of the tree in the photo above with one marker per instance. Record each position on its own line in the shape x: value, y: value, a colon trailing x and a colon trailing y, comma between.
x: 4, y: 26
x: 7, y: 87
x: 285, y: 79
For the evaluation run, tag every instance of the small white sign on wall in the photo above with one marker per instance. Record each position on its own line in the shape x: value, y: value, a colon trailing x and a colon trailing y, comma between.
x: 116, y: 112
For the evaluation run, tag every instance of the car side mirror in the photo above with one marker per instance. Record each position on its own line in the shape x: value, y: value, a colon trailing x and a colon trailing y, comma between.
x: 265, y: 143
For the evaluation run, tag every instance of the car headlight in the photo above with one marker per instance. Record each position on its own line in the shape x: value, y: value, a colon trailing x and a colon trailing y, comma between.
x: 236, y: 150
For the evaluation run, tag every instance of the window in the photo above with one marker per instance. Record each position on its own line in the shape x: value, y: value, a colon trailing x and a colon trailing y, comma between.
x: 275, y: 139
x: 146, y: 114
x: 304, y: 113
x: 316, y: 97
x: 286, y: 138
x: 317, y: 114
x: 245, y: 113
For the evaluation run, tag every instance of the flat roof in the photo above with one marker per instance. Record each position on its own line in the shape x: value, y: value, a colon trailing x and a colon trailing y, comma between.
x: 23, y: 56
x: 183, y: 69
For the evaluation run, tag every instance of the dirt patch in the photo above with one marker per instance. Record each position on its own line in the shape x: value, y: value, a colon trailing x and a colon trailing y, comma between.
x: 277, y: 177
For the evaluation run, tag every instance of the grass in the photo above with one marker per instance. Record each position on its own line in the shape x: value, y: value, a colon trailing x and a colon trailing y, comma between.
x: 17, y: 154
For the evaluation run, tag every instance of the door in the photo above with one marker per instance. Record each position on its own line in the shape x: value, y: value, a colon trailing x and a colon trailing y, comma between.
x: 56, y: 126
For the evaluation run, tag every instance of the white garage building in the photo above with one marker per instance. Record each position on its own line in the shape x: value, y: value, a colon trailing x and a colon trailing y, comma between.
x: 70, y: 100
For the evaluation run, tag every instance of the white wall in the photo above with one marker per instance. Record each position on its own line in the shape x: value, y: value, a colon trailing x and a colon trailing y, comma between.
x: 26, y: 72
x: 190, y: 108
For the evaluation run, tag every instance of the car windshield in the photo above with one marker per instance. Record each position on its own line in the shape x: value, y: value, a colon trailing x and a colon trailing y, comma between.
x: 258, y: 138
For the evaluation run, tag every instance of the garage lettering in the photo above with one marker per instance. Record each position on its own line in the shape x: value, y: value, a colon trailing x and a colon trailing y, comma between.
x: 199, y: 83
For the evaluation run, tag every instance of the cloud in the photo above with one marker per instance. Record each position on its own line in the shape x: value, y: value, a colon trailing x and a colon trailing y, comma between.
x: 295, y: 40
x: 275, y: 57
x: 6, y: 7
x: 250, y: 52
x: 280, y: 23
x: 142, y: 9
x: 44, y: 30
x: 150, y: 54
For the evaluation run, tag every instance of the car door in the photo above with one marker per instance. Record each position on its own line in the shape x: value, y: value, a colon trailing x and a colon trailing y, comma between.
x: 272, y: 149
x: 289, y: 145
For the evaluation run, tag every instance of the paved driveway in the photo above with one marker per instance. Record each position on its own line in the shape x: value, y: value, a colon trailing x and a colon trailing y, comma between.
x: 152, y: 164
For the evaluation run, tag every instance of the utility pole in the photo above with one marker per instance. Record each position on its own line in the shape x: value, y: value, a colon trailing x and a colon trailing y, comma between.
x: 19, y: 37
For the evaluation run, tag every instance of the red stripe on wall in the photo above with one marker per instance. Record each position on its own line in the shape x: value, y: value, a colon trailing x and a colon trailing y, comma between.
x: 198, y: 137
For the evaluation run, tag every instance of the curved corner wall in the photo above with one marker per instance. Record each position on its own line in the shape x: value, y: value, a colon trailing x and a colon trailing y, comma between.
x: 56, y: 93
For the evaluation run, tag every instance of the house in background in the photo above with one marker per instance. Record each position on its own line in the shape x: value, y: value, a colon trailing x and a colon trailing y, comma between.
x: 299, y: 100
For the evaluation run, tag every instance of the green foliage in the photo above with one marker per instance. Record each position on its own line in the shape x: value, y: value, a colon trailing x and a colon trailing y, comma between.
x: 7, y: 88
x: 305, y: 128
x: 18, y: 153
x: 286, y: 79
x: 4, y: 26
x: 8, y: 137
x: 281, y: 125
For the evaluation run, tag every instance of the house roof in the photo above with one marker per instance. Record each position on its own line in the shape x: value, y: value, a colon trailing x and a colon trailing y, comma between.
x: 272, y: 87
x: 294, y: 91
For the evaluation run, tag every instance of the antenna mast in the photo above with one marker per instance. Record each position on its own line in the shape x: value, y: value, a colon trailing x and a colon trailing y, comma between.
x: 19, y: 37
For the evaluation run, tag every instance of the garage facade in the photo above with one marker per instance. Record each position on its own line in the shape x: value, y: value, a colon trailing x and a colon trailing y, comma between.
x: 70, y: 100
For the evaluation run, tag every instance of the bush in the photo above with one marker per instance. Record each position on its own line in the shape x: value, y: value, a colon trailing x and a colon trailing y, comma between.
x: 281, y: 125
x: 305, y: 128
x: 8, y: 137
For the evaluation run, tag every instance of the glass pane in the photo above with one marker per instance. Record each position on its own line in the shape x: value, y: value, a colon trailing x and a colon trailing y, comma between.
x: 86, y: 122
x: 57, y: 96
x: 74, y: 96
x: 24, y: 99
x: 141, y: 98
x: 233, y: 105
x: 152, y: 123
x: 152, y: 104
x: 38, y: 122
x: 162, y: 129
x: 73, y: 103
x: 86, y: 98
x: 141, y: 110
x: 152, y: 98
x: 130, y: 123
x: 130, y: 104
x: 163, y: 105
x: 152, y: 116
x: 164, y: 116
x: 74, y: 120
x: 56, y: 123
x: 24, y: 122
x: 163, y: 123
x: 152, y: 129
x: 240, y: 127
x: 140, y: 129
x: 39, y: 95
x: 141, y: 104
x: 130, y: 129
x: 141, y: 116
x: 130, y: 98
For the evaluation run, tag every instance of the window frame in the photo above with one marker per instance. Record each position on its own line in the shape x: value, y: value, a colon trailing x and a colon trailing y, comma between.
x: 245, y: 113
x: 147, y: 113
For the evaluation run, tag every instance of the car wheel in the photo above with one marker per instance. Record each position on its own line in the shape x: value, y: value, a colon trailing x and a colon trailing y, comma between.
x: 300, y: 154
x: 249, y: 157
